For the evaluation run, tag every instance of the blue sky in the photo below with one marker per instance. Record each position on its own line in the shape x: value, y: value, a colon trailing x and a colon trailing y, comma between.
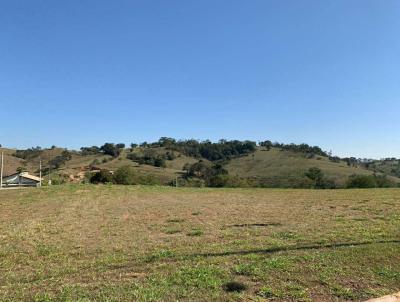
x: 78, y: 73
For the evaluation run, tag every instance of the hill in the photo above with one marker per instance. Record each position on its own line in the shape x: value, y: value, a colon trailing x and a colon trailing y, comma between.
x: 276, y: 168
x: 163, y: 162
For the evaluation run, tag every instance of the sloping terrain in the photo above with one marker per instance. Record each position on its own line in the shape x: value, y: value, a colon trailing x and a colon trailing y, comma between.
x: 273, y: 168
x: 286, y: 168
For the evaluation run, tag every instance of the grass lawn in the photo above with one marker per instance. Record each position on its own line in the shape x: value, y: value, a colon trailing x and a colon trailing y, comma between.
x: 132, y: 243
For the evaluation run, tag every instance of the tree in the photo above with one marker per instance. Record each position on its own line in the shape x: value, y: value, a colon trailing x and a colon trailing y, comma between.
x: 110, y: 149
x: 267, y: 144
x: 90, y: 150
x: 120, y: 146
x: 66, y: 155
x: 317, y: 176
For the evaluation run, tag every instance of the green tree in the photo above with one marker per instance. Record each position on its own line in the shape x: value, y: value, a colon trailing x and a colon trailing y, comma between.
x: 317, y: 176
x: 110, y: 149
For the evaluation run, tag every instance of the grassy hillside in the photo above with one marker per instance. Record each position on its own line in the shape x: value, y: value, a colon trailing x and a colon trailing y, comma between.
x: 133, y: 243
x: 273, y: 168
x: 387, y: 166
x: 11, y: 163
x: 286, y: 168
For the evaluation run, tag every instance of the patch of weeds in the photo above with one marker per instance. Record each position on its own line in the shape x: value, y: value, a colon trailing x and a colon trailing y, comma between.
x: 114, y: 260
x: 195, y: 232
x: 291, y: 291
x: 162, y: 254
x: 234, y: 286
x: 74, y: 293
x: 267, y: 292
x: 42, y: 297
x: 245, y: 269
x: 360, y: 219
x: 279, y: 263
x: 44, y: 250
x: 343, y: 292
x: 285, y: 235
x: 208, y: 277
x: 388, y: 273
x: 297, y: 292
x: 172, y: 231
x: 197, y: 213
x: 175, y: 220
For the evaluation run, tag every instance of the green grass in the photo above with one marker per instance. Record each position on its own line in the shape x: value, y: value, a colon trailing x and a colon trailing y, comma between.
x: 138, y: 243
x: 286, y: 169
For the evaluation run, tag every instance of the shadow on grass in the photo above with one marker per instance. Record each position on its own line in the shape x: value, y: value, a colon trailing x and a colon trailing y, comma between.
x: 244, y: 225
x: 296, y: 248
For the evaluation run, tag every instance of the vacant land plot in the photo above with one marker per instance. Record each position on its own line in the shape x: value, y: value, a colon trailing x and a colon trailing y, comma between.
x: 111, y: 243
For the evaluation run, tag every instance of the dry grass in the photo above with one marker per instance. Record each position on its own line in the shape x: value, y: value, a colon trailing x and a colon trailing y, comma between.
x: 112, y: 243
x: 286, y: 169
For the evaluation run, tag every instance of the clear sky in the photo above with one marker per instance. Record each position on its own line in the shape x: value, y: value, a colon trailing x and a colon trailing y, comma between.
x: 78, y: 73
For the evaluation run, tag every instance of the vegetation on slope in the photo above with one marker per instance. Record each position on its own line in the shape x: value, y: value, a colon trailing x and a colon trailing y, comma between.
x: 204, y: 163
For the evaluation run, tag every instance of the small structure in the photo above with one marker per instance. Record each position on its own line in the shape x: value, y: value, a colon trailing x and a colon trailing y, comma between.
x: 23, y: 179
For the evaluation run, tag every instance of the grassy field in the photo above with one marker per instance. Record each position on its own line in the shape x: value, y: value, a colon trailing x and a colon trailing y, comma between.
x: 113, y: 243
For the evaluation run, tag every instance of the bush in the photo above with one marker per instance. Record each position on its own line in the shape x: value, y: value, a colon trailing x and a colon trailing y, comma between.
x: 159, y: 162
x: 383, y: 182
x: 125, y: 176
x: 103, y: 176
x: 90, y: 150
x: 361, y: 181
x: 224, y: 180
x: 149, y: 157
x: 149, y: 180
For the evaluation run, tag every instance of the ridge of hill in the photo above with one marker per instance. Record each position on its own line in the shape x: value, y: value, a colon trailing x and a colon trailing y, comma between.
x: 266, y: 166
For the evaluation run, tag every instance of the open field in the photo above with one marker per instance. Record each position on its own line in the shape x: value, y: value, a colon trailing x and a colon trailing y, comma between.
x: 113, y: 243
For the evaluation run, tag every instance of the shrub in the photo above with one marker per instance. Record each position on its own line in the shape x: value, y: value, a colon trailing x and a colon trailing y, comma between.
x: 103, y: 176
x: 125, y: 176
x: 317, y: 176
x: 159, y: 162
x: 383, y: 182
x: 95, y: 162
x: 361, y: 181
x: 224, y: 180
x: 149, y: 180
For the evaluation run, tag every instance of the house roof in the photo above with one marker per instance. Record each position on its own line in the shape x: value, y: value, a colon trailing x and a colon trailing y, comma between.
x: 25, y: 175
